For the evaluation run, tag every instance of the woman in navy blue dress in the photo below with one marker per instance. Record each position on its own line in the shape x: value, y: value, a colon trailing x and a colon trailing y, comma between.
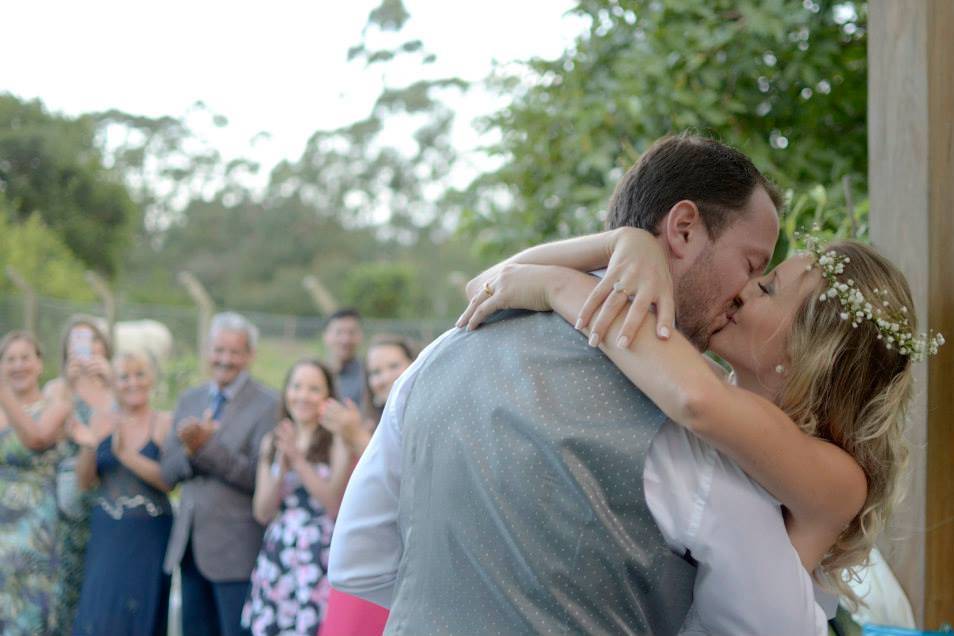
x: 125, y: 590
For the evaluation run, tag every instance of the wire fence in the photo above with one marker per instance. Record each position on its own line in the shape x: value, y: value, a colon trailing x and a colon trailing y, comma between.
x: 283, y: 338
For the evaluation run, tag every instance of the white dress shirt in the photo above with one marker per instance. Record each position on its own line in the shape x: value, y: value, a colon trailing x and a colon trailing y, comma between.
x: 749, y: 580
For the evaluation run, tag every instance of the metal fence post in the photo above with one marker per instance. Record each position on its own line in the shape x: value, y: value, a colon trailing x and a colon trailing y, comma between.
x: 102, y: 289
x: 29, y: 299
x: 320, y: 295
x: 206, y: 308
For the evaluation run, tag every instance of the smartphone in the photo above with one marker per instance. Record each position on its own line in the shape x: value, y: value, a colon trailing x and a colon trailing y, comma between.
x: 81, y: 343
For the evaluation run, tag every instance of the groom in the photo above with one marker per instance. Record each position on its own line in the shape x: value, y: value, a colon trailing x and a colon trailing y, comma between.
x: 519, y: 484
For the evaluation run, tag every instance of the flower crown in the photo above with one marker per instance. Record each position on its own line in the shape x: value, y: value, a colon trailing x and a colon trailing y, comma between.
x: 892, y: 324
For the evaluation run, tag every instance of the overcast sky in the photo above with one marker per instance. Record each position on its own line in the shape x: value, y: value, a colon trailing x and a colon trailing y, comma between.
x: 279, y: 66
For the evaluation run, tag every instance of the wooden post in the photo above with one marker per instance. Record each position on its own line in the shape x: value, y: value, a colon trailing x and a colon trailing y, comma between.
x: 911, y: 185
x: 101, y: 288
x: 29, y: 299
x: 320, y: 295
x: 206, y: 307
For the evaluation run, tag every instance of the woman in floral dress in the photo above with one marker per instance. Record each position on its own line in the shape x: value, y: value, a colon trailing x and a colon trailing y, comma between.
x: 29, y: 430
x: 302, y: 473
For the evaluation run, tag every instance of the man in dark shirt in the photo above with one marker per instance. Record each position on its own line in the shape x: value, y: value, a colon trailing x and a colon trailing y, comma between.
x: 343, y: 336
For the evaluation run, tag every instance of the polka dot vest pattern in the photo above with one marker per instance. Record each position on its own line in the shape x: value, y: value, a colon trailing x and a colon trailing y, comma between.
x: 522, y: 505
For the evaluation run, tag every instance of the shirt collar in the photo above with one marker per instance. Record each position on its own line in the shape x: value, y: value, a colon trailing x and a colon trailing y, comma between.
x: 230, y: 390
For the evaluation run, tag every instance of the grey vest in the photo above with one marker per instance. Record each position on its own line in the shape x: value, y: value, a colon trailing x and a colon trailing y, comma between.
x: 522, y: 507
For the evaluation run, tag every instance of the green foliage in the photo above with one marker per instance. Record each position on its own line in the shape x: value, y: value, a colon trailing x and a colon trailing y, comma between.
x: 784, y: 81
x: 355, y: 194
x: 50, y: 165
x: 41, y: 257
x: 826, y: 212
x: 384, y: 290
x: 177, y: 375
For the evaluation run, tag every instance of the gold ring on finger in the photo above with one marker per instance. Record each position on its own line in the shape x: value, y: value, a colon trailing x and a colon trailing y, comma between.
x: 488, y: 289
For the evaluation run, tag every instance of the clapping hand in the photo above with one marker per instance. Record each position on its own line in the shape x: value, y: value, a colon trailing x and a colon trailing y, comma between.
x: 194, y: 433
x: 120, y: 447
x: 286, y: 443
x: 101, y: 424
x: 340, y: 419
x: 638, y: 271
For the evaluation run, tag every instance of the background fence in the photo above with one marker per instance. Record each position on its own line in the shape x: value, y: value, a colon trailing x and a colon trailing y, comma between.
x: 284, y: 338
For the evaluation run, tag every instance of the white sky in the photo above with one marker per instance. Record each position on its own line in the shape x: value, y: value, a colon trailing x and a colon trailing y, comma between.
x: 279, y: 66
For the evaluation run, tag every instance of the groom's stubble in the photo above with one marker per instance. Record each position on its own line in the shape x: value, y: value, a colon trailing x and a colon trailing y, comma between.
x: 697, y: 297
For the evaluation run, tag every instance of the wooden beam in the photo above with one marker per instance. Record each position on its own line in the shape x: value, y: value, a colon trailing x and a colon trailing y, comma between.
x: 911, y: 186
x: 939, y: 544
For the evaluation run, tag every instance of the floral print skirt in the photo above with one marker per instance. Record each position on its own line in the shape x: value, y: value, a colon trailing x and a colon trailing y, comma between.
x: 289, y: 586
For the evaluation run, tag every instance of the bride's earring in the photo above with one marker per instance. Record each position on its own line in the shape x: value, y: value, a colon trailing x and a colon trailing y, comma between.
x: 779, y: 369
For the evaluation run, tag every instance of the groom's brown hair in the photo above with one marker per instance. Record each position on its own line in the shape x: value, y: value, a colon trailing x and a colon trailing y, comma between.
x: 717, y: 178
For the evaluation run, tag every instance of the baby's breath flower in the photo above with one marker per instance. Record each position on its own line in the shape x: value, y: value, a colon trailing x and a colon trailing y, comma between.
x: 892, y: 324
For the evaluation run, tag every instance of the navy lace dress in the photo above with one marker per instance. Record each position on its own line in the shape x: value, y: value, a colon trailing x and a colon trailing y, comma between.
x: 125, y: 590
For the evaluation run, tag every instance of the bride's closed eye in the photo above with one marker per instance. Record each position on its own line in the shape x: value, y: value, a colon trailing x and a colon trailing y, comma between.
x: 766, y: 289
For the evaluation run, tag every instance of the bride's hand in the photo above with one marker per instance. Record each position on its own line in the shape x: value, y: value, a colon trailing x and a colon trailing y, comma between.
x: 510, y: 286
x: 638, y: 271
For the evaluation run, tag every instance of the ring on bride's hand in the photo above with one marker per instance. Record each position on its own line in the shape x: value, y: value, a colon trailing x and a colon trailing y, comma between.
x: 618, y: 287
x: 488, y: 289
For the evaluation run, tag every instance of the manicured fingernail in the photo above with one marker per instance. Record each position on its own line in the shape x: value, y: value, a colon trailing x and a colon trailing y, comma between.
x: 579, y: 324
x: 594, y: 339
x: 459, y: 323
x: 664, y: 332
x: 622, y: 342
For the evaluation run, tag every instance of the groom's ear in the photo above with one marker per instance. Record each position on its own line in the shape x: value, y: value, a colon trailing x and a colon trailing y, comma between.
x: 684, y: 230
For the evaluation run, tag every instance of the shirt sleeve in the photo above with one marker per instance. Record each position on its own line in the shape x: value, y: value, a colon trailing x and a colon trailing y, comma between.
x: 750, y: 579
x: 366, y: 545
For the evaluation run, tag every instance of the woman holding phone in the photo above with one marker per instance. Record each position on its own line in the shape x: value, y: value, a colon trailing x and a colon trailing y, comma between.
x: 86, y: 384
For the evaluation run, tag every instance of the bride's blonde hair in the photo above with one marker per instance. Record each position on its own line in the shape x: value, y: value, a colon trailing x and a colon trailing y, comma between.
x: 846, y: 386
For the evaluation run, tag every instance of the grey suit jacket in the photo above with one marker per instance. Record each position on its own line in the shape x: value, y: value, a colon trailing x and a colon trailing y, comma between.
x: 215, y: 508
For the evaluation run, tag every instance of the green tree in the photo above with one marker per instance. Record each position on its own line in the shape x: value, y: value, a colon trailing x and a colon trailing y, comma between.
x: 784, y: 81
x: 50, y: 165
x: 355, y: 194
x: 41, y: 257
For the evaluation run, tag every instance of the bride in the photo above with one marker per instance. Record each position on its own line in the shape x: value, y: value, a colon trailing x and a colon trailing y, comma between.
x: 821, y: 350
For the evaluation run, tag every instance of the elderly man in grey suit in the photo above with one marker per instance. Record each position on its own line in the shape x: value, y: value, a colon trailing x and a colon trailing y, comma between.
x: 518, y: 483
x: 213, y: 452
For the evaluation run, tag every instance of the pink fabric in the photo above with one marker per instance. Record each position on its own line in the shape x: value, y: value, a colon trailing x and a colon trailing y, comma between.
x: 348, y: 615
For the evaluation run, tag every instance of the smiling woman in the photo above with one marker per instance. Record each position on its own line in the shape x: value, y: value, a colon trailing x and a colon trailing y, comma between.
x: 125, y: 590
x: 28, y: 515
x: 302, y: 472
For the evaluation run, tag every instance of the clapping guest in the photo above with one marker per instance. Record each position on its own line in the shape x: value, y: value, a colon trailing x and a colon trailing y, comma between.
x: 302, y: 473
x: 388, y: 357
x: 125, y: 590
x: 213, y: 452
x: 30, y: 427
